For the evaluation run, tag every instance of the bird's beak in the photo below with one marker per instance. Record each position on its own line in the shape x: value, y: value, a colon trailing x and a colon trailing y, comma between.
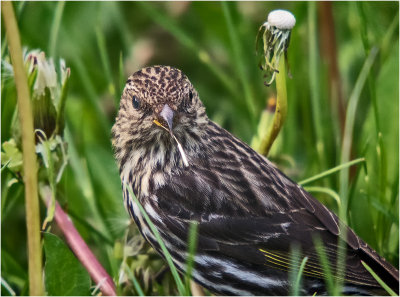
x: 167, y: 115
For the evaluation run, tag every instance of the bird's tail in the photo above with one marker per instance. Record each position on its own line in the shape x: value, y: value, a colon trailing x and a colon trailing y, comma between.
x: 381, y: 267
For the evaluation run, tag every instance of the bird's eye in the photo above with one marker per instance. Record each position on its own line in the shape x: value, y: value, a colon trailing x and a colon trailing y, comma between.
x: 190, y: 95
x: 135, y: 102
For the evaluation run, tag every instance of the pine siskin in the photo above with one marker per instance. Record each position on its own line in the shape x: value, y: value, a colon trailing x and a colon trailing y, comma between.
x: 249, y: 214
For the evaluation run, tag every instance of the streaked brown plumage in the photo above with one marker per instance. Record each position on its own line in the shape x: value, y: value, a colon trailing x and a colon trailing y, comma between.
x: 249, y: 213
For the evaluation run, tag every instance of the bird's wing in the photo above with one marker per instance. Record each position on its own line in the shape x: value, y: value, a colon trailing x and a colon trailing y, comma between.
x: 242, y: 201
x: 249, y: 236
x: 237, y: 181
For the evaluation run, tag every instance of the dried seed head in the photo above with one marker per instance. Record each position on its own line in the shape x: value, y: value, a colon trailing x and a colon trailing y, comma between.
x: 281, y: 19
x: 275, y: 36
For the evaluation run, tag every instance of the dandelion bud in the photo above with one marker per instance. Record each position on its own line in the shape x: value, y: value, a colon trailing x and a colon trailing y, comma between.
x: 48, y: 92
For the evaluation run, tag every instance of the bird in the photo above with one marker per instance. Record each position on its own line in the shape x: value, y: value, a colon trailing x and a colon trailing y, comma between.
x: 185, y: 169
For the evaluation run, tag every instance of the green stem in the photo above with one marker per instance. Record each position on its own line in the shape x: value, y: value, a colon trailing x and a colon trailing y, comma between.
x: 28, y: 151
x: 280, y: 111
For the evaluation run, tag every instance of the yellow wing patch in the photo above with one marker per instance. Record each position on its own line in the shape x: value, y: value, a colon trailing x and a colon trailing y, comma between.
x: 312, y: 269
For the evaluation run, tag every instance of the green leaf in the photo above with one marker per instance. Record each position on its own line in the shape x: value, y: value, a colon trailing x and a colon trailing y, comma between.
x: 12, y: 156
x: 64, y: 274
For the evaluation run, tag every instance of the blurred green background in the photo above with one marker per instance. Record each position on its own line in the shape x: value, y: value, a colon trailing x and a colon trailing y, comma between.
x: 214, y: 44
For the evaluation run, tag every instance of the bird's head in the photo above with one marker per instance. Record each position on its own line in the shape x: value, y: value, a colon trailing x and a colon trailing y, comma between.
x: 158, y: 104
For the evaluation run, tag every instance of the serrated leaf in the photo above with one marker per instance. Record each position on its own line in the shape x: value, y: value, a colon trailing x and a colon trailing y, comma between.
x: 64, y: 274
x: 11, y: 156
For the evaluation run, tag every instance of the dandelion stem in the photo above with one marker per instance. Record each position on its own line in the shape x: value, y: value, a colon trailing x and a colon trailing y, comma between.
x: 280, y: 111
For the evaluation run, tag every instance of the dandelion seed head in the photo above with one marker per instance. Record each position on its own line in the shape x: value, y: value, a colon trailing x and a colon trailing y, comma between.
x: 281, y: 19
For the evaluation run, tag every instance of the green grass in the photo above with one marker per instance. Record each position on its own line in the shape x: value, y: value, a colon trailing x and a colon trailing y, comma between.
x: 157, y: 235
x: 379, y: 280
x: 213, y: 43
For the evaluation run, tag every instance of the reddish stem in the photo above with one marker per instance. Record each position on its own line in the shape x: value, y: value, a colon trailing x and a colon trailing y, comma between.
x: 83, y: 253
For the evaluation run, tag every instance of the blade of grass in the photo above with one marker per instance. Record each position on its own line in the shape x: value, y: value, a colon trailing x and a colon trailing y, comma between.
x: 345, y: 156
x: 349, y: 125
x: 179, y: 284
x: 379, y: 280
x: 134, y: 280
x: 55, y: 27
x: 386, y: 213
x: 387, y: 40
x: 121, y: 78
x: 11, y: 268
x: 300, y: 273
x: 329, y: 278
x: 395, y: 190
x: 330, y: 171
x: 28, y: 151
x: 116, y: 10
x: 191, y: 254
x: 237, y: 54
x: 353, y: 189
x: 105, y: 61
x: 381, y: 151
x: 20, y: 8
x: 7, y: 203
x: 383, y: 182
x: 367, y: 49
x: 382, y: 157
x: 85, y: 184
x: 327, y: 191
x: 296, y: 289
x: 296, y: 272
x: 90, y: 90
x: 7, y: 287
x: 314, y: 81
